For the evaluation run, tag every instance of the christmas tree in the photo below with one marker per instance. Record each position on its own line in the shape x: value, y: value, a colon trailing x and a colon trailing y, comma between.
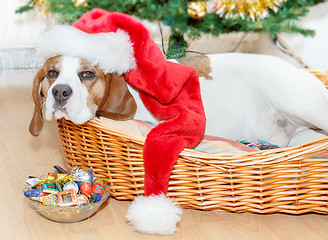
x: 192, y: 18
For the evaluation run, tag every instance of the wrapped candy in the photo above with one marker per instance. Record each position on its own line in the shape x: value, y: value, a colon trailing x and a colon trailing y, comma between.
x: 49, y: 188
x: 63, y: 177
x: 49, y: 200
x: 58, y: 185
x: 91, y: 176
x: 32, y: 182
x: 80, y: 175
x: 52, y: 177
x: 97, y: 191
x: 60, y: 169
x: 71, y: 185
x: 35, y: 192
x: 67, y: 198
x: 85, y: 188
x: 98, y: 187
x: 82, y: 200
x: 96, y: 197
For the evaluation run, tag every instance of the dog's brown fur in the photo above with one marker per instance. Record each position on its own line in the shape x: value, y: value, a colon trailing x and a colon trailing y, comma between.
x: 201, y: 64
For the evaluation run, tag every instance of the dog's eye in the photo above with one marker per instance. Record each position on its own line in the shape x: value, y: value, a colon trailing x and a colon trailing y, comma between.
x: 87, y: 75
x: 52, y: 74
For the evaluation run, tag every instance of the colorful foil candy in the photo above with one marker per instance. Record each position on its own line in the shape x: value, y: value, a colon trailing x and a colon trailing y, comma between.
x: 49, y: 188
x: 85, y: 188
x: 32, y: 182
x: 49, y: 200
x: 71, y: 185
x: 36, y: 192
x: 60, y: 169
x: 67, y: 198
x: 63, y: 189
x: 97, y: 188
x: 50, y: 178
x: 82, y: 200
x: 80, y: 175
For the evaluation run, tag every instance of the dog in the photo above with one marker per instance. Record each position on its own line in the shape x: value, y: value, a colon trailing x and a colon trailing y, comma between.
x: 246, y: 96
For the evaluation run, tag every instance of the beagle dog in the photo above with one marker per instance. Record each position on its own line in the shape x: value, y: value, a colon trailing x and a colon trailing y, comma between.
x: 254, y: 97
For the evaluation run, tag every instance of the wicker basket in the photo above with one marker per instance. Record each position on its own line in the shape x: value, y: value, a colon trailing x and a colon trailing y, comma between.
x: 286, y: 180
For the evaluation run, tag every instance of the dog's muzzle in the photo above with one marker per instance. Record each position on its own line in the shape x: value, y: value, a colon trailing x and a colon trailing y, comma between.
x: 61, y: 93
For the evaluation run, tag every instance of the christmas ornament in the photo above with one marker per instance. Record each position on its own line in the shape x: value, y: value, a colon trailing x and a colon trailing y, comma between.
x: 41, y: 5
x: 78, y: 3
x: 196, y: 9
x: 246, y: 9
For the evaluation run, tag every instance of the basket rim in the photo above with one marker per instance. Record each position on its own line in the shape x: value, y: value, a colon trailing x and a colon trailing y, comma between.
x: 313, y: 148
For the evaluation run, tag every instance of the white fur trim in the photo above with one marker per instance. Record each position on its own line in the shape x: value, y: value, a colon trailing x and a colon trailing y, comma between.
x: 112, y: 52
x: 154, y: 215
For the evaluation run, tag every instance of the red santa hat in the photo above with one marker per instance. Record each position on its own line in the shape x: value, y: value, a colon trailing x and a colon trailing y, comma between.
x: 119, y: 43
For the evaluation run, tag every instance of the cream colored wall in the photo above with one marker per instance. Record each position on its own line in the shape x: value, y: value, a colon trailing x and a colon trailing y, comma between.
x: 20, y: 30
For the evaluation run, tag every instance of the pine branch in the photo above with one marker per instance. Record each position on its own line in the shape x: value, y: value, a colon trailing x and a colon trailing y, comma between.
x: 25, y: 8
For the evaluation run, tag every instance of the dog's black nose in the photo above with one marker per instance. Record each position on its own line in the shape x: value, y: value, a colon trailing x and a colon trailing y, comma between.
x: 61, y: 92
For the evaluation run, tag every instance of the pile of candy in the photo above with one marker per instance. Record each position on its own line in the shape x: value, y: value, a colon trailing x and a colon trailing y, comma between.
x: 61, y: 188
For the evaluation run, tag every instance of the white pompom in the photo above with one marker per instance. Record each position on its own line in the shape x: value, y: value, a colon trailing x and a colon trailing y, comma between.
x: 154, y: 215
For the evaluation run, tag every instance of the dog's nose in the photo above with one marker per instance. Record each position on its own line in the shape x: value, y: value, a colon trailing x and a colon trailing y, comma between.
x: 61, y: 92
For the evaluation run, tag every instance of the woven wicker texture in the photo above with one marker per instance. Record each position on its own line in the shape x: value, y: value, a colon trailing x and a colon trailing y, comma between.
x: 290, y: 180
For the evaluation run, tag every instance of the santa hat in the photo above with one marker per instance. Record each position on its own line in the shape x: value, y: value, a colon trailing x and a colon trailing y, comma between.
x: 119, y: 43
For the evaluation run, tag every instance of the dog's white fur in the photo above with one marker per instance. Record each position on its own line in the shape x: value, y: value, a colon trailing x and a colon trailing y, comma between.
x: 264, y: 98
x: 259, y: 97
x: 254, y: 97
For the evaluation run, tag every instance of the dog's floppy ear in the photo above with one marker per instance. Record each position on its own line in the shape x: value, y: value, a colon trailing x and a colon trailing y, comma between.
x: 37, y: 120
x: 117, y: 103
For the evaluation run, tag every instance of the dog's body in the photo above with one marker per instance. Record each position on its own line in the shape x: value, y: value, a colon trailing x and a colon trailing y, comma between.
x: 245, y: 96
x: 257, y: 97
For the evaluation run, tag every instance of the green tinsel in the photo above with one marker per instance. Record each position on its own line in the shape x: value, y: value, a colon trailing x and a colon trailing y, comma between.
x: 174, y: 14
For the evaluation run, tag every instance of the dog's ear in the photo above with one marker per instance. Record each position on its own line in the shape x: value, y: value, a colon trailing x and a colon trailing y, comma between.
x: 117, y: 103
x: 37, y: 120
